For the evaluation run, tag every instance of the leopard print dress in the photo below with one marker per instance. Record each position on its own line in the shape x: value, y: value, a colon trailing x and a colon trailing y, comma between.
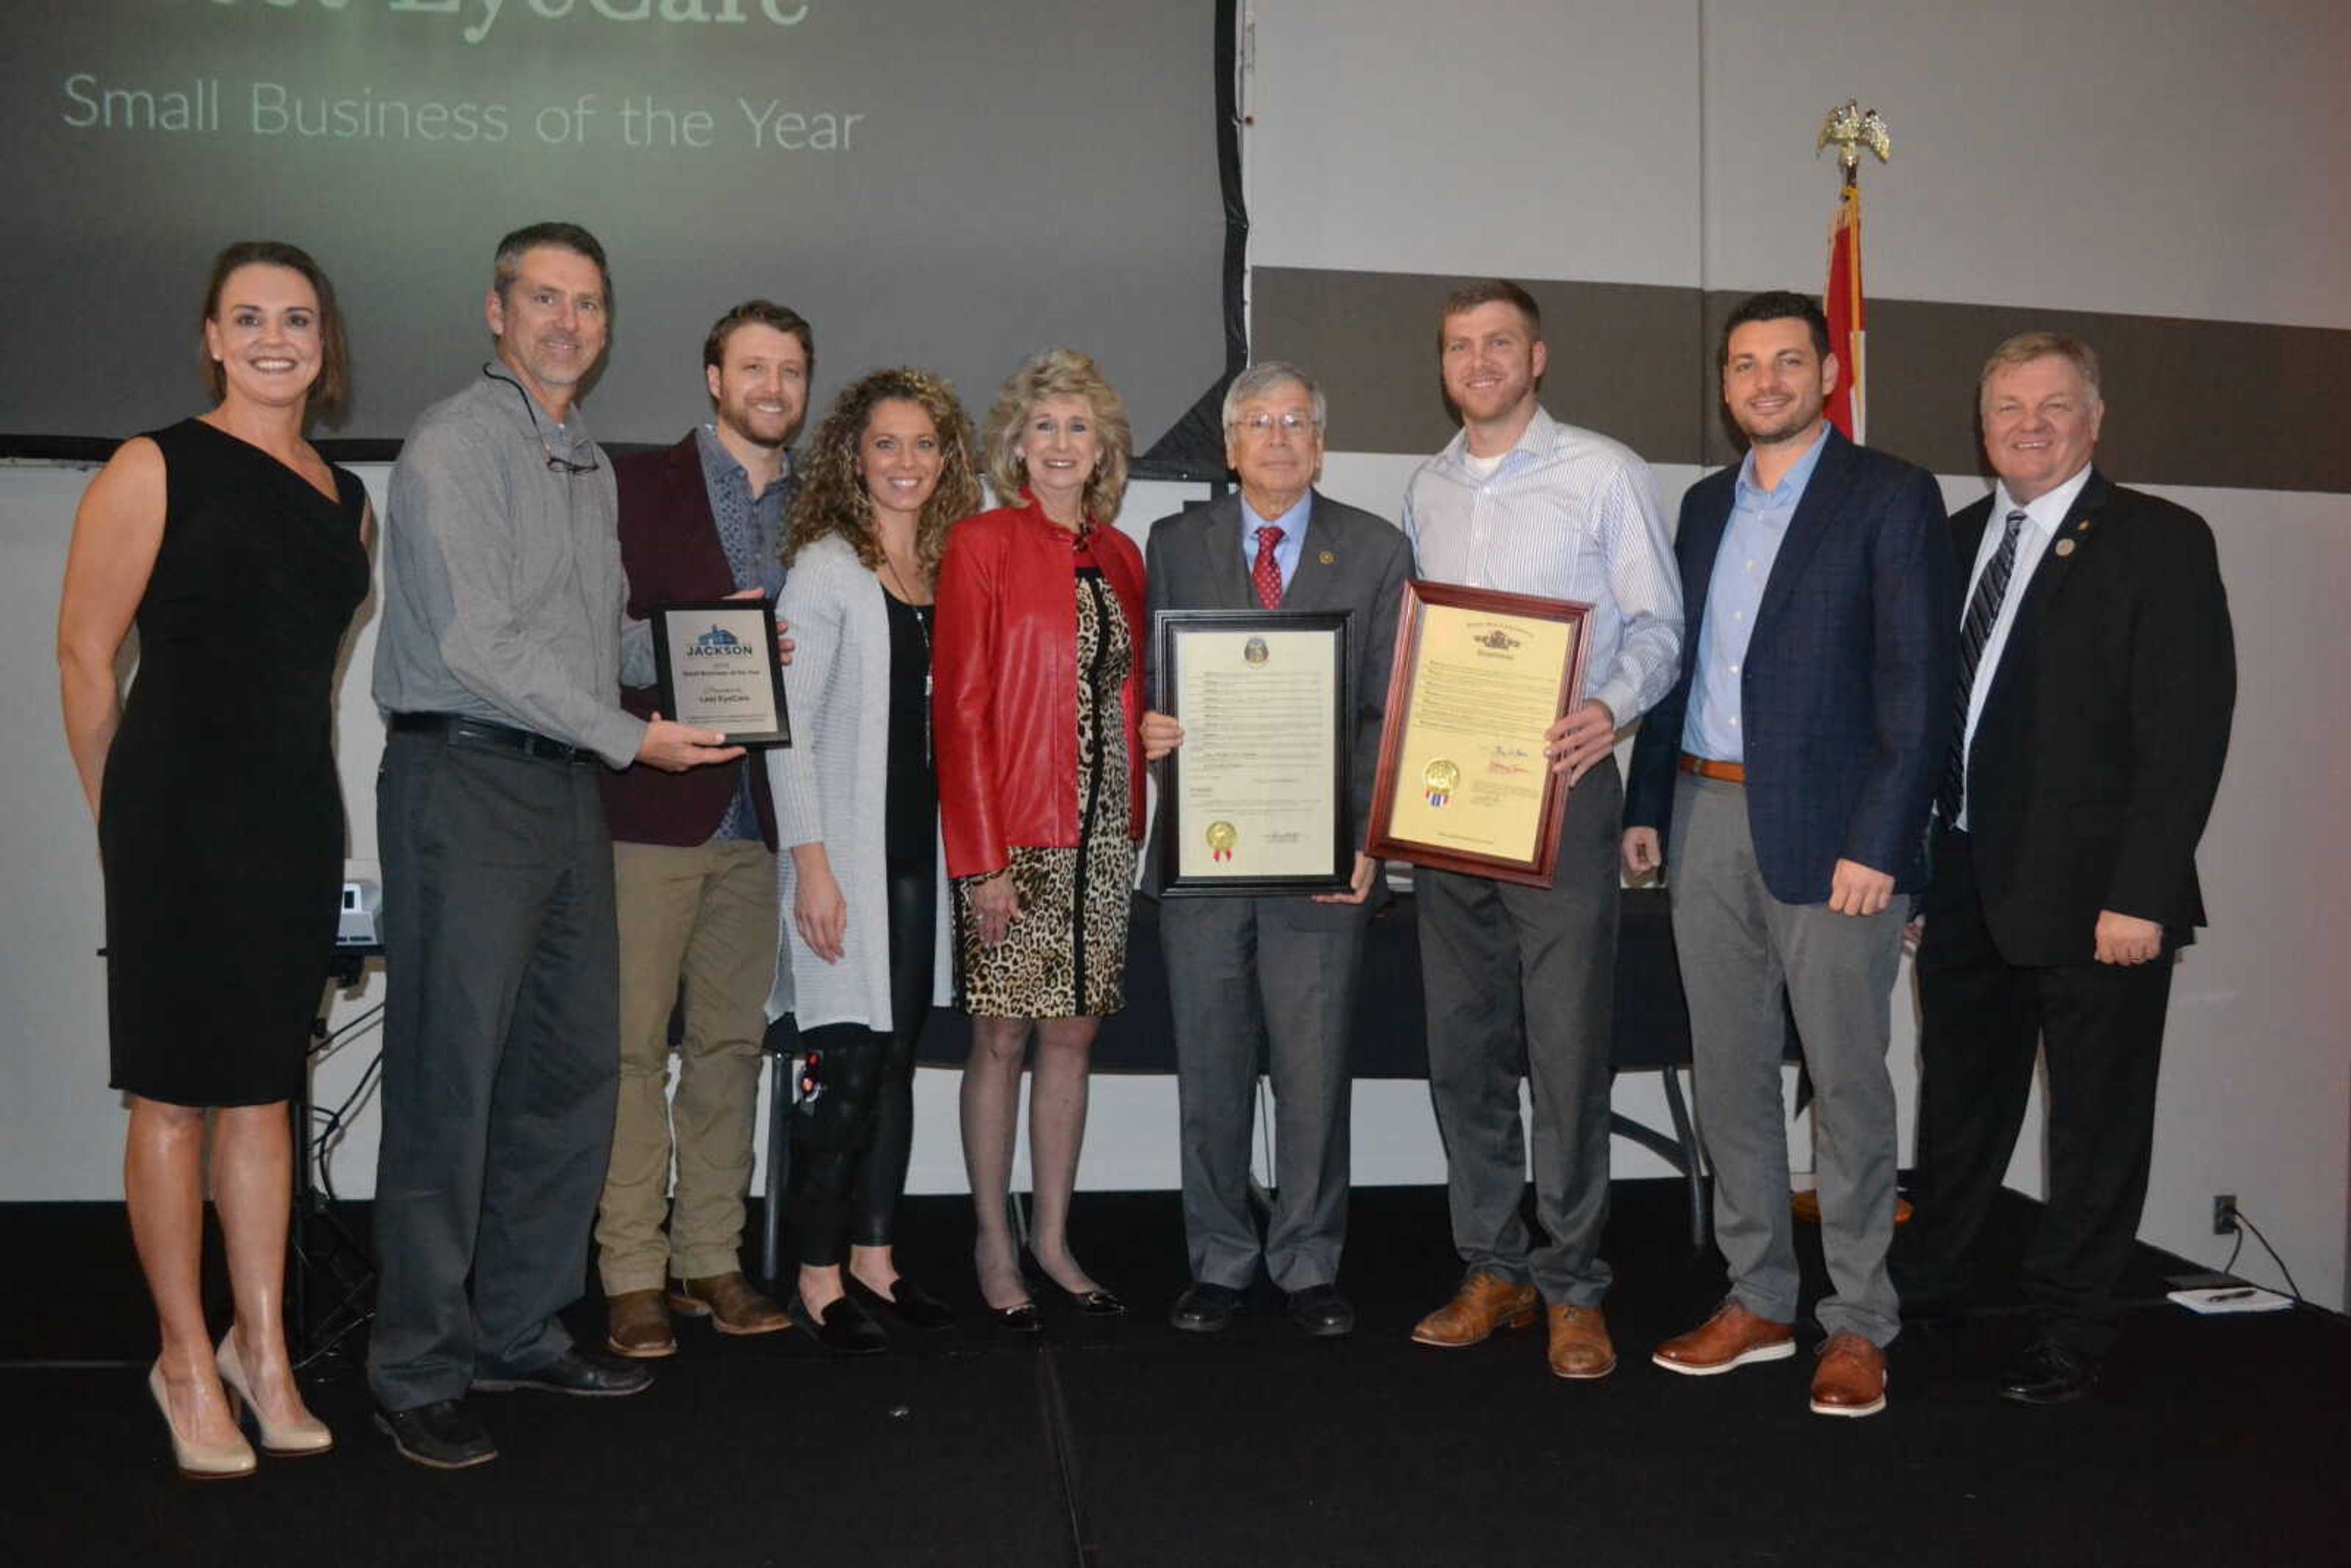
x: 1065, y: 956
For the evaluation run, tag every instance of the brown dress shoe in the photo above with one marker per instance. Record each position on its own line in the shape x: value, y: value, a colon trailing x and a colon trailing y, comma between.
x: 636, y: 1324
x: 729, y: 1302
x: 1483, y: 1304
x: 1732, y: 1337
x: 1851, y: 1378
x: 1579, y: 1344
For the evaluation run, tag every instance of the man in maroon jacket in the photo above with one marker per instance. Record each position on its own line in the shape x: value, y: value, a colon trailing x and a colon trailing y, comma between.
x: 694, y: 865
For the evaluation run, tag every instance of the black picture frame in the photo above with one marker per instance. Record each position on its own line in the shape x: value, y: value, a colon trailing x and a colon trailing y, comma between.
x: 750, y: 623
x: 1170, y: 631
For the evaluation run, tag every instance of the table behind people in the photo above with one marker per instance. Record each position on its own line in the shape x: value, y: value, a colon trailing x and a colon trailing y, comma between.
x: 503, y: 647
x: 866, y: 953
x: 694, y: 865
x: 1521, y: 503
x: 1040, y: 794
x: 241, y: 553
x: 1277, y: 973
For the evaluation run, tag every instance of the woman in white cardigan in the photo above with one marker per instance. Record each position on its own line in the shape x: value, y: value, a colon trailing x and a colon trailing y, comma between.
x: 866, y: 947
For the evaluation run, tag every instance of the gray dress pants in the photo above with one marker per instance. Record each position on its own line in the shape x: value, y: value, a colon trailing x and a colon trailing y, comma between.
x: 1743, y: 953
x: 1280, y: 972
x: 501, y: 1060
x: 1520, y: 983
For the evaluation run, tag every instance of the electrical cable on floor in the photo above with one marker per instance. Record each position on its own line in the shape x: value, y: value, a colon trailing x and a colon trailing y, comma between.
x: 2243, y: 1225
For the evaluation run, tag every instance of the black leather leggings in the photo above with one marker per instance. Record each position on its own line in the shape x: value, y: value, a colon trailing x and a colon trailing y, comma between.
x: 853, y: 1127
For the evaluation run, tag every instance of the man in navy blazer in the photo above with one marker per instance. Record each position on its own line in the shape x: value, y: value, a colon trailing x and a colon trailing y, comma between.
x: 693, y: 861
x: 2088, y: 750
x: 1789, y: 775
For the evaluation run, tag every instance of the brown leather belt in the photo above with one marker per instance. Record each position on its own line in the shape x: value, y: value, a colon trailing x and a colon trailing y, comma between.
x: 1707, y: 768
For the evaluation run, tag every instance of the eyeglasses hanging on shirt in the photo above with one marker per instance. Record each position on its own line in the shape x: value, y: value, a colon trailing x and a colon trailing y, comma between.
x: 555, y: 465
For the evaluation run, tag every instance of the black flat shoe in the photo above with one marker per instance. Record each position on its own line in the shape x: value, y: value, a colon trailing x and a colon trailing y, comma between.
x: 845, y: 1329
x: 1094, y: 1303
x: 1022, y: 1318
x: 908, y: 1302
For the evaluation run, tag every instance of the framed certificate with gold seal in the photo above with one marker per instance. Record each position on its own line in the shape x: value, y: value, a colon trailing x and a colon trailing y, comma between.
x: 1254, y: 799
x: 1463, y: 784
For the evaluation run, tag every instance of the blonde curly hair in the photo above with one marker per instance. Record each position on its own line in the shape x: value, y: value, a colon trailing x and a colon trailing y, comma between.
x: 829, y: 496
x: 1060, y: 372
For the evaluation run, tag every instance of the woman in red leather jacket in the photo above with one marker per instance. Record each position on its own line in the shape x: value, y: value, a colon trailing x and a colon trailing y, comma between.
x: 1039, y: 670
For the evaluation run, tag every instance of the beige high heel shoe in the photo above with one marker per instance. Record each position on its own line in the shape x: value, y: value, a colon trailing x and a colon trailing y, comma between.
x: 296, y: 1439
x: 200, y: 1461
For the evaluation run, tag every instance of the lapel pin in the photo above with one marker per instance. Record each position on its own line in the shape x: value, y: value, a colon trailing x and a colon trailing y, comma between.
x: 2064, y: 547
x: 1327, y: 557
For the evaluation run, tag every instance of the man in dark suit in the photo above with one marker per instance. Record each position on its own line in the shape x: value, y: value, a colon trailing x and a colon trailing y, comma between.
x: 1276, y: 973
x: 693, y: 859
x: 1790, y: 772
x: 2097, y: 677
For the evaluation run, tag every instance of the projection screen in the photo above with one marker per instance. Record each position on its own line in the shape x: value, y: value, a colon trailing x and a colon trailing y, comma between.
x: 930, y: 182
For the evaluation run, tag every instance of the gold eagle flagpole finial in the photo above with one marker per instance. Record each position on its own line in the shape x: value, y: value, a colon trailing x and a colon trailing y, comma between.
x: 1850, y: 127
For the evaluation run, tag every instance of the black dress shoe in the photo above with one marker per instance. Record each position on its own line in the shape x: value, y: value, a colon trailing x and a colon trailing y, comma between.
x: 2049, y: 1372
x: 441, y: 1436
x: 1321, y: 1312
x: 1204, y: 1308
x: 908, y: 1302
x: 845, y: 1329
x: 584, y: 1374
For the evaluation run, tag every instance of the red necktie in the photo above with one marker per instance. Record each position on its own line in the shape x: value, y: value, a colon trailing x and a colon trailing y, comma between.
x: 1266, y: 574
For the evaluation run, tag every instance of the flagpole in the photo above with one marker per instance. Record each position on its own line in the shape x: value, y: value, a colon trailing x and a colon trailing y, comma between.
x: 1850, y: 127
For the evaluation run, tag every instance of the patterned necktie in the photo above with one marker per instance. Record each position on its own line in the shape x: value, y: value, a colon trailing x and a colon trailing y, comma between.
x: 1984, y: 609
x: 1266, y: 574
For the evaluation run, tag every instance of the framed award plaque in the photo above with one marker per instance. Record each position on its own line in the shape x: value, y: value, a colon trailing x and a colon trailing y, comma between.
x: 1463, y: 783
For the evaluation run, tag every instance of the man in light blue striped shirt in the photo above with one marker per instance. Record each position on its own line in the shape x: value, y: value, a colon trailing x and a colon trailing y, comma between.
x: 1523, y: 503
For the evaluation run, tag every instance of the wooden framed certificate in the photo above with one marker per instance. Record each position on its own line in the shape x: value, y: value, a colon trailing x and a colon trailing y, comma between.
x: 1255, y: 798
x: 720, y: 668
x: 1463, y: 784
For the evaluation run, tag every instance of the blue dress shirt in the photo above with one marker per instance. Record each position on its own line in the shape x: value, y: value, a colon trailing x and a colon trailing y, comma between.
x: 1742, y: 566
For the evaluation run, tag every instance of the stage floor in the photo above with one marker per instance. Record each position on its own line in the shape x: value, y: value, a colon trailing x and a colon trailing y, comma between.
x: 1123, y: 1442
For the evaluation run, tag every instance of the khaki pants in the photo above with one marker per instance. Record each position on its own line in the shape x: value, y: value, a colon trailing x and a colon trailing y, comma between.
x: 705, y: 915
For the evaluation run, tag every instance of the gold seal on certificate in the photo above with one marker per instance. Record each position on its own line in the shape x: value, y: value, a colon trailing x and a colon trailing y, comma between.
x: 1463, y: 783
x: 1255, y: 796
x: 720, y: 668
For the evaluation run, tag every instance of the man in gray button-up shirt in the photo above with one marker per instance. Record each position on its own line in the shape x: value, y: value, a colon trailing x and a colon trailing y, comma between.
x: 498, y: 666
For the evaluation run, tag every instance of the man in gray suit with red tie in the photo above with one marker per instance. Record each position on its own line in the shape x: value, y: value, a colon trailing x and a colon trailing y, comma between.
x: 1789, y: 773
x: 1276, y: 972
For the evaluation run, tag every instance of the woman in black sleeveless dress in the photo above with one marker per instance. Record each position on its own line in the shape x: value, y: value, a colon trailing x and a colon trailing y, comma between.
x: 241, y: 554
